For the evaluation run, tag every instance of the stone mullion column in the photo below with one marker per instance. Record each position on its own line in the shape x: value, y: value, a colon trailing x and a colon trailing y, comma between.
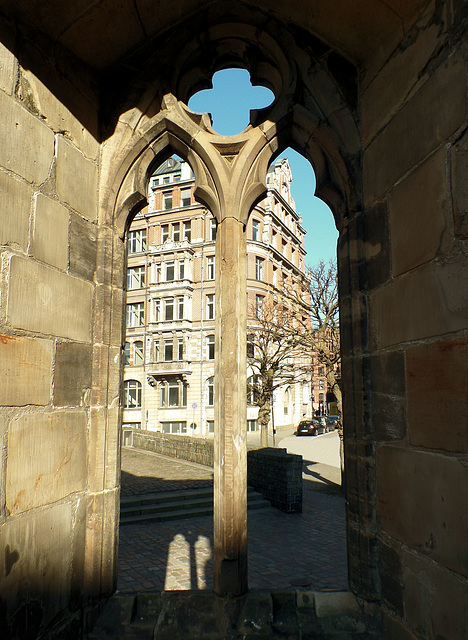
x: 230, y: 454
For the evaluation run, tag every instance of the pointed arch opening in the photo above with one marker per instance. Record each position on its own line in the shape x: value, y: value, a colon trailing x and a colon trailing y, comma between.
x: 177, y: 129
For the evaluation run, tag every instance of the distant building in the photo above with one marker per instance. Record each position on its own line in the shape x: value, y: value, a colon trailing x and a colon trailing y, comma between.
x: 169, y: 347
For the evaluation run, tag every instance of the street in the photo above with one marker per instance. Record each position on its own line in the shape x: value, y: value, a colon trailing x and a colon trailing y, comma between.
x: 324, y: 449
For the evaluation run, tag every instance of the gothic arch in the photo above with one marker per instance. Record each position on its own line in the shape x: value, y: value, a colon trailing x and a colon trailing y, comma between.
x: 309, y: 114
x: 313, y: 111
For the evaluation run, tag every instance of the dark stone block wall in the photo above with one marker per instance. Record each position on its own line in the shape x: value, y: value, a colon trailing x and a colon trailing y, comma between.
x: 276, y: 474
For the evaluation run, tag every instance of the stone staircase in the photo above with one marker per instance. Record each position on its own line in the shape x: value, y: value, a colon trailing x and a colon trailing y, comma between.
x: 176, y: 505
x: 261, y: 615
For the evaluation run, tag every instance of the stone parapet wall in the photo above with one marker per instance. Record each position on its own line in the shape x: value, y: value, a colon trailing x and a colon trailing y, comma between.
x: 173, y: 446
x: 276, y: 474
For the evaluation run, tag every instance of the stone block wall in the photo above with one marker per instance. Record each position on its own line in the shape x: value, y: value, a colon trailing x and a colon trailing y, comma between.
x: 181, y: 448
x: 402, y: 211
x: 57, y: 509
x: 404, y: 335
x: 277, y: 475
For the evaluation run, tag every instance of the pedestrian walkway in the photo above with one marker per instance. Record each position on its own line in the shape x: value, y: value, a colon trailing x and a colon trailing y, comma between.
x: 286, y: 551
x: 146, y: 472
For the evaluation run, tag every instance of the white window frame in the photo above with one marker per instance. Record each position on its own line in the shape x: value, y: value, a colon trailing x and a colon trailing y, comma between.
x: 210, y: 389
x: 135, y: 314
x: 210, y: 268
x: 167, y: 201
x: 139, y: 353
x: 126, y: 356
x: 185, y: 197
x: 259, y: 306
x: 180, y: 308
x: 169, y: 399
x: 136, y: 242
x: 210, y: 306
x: 157, y: 310
x: 169, y: 268
x: 213, y: 229
x: 252, y: 382
x: 252, y: 425
x: 168, y: 350
x: 174, y: 427
x: 210, y: 341
x: 132, y: 394
x: 131, y: 425
x: 255, y: 230
x: 181, y: 269
x: 169, y: 305
x: 135, y: 278
x: 259, y: 268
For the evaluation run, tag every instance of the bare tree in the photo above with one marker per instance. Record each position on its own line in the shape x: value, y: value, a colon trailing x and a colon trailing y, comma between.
x: 277, y: 353
x: 324, y: 332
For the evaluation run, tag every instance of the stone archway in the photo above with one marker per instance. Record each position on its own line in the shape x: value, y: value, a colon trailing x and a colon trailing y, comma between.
x: 229, y: 175
x: 378, y: 104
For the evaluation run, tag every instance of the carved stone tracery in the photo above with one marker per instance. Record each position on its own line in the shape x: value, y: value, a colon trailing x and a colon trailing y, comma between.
x: 230, y: 178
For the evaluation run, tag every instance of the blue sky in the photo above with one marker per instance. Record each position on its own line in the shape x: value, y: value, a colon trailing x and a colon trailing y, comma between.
x: 229, y: 103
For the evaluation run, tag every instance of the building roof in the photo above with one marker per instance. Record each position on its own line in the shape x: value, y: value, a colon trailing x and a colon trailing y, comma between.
x: 171, y: 165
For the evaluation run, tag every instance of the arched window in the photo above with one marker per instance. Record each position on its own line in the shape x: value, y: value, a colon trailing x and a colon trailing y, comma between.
x: 132, y: 394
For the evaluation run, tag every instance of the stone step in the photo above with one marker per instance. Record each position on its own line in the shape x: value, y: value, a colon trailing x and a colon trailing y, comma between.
x: 176, y: 505
x: 201, y: 615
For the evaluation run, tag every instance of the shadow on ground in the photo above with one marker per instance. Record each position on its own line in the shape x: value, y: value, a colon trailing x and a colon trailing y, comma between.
x: 321, y: 477
x: 132, y: 485
x: 285, y: 551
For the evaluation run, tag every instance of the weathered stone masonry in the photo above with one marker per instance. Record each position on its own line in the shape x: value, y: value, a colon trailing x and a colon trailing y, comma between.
x: 273, y: 472
x: 92, y: 98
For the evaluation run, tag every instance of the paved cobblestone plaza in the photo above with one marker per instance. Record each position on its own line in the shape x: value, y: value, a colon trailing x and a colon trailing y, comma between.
x: 286, y: 551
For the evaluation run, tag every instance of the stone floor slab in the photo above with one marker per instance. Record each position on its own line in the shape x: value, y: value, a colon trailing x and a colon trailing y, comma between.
x: 286, y: 551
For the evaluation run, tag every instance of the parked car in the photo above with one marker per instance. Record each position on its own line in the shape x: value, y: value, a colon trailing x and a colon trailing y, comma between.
x: 332, y: 422
x: 310, y: 427
x: 323, y: 421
